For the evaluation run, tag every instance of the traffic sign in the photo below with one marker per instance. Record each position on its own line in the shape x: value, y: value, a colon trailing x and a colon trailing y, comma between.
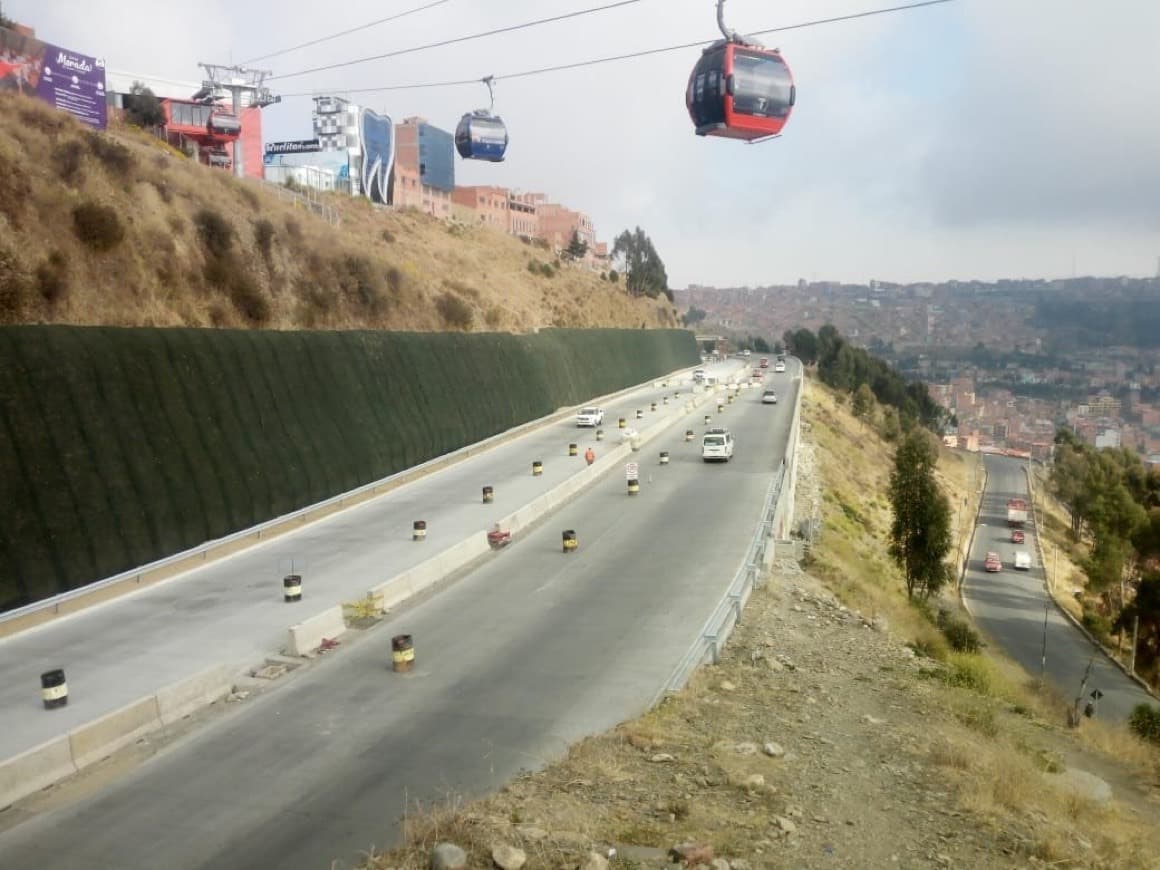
x: 632, y: 471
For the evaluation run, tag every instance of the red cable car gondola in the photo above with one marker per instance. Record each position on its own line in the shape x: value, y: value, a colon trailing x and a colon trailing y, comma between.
x: 739, y: 89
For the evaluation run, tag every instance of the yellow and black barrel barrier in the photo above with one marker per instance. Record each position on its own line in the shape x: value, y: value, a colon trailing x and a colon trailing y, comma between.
x: 53, y: 689
x: 292, y: 588
x: 402, y: 653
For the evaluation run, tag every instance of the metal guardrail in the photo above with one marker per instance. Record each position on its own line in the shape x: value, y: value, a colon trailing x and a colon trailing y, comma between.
x: 725, y: 617
x: 727, y: 614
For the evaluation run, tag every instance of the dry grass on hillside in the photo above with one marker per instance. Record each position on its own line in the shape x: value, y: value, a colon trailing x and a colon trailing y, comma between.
x: 891, y: 750
x: 120, y: 229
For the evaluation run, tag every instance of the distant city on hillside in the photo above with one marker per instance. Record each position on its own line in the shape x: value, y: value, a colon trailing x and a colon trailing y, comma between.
x: 1014, y: 359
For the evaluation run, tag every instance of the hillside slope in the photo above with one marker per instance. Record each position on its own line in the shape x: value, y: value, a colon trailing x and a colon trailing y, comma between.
x: 838, y: 730
x: 119, y: 229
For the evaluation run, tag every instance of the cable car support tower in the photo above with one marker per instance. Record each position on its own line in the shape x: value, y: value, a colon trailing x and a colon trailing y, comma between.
x: 237, y: 80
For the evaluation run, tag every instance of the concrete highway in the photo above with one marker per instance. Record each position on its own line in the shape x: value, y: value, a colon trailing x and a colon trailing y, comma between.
x: 522, y: 656
x: 231, y: 611
x: 1010, y: 606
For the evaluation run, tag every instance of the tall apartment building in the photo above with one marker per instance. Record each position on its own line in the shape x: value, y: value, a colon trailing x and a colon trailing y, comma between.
x: 424, y: 167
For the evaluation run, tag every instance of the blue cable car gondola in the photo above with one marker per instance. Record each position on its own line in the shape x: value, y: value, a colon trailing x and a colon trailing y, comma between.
x: 739, y: 89
x: 481, y: 135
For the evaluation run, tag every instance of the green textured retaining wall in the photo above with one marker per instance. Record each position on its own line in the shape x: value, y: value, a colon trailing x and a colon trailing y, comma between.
x: 122, y: 446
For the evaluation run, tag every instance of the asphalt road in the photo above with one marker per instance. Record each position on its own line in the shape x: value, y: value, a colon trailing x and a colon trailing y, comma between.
x: 232, y: 612
x: 1010, y: 606
x: 528, y: 653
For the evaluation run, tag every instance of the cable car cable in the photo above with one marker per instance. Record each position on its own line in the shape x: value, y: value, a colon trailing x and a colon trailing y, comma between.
x: 645, y: 53
x: 509, y: 29
x: 342, y: 33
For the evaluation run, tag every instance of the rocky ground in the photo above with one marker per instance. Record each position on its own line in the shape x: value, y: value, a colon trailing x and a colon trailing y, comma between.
x: 826, y: 737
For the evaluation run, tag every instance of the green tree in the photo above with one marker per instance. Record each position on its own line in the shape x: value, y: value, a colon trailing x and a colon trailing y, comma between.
x: 694, y: 316
x: 760, y: 345
x: 863, y: 402
x: 5, y: 21
x: 577, y: 248
x: 920, y: 535
x: 142, y: 108
x: 644, y: 271
x: 803, y: 344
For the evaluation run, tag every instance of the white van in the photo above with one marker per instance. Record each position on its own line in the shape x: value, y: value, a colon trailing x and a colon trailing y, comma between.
x: 1022, y: 560
x: 717, y: 446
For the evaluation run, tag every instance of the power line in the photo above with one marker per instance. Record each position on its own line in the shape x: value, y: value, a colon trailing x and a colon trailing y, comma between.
x: 458, y: 39
x: 342, y: 33
x: 644, y: 53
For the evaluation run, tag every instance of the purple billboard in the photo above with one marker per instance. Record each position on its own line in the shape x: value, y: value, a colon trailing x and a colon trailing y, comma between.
x: 72, y: 82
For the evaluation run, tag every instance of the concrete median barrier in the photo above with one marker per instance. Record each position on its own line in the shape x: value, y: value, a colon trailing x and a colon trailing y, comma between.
x: 426, y: 574
x: 102, y: 737
x: 35, y: 769
x: 306, y: 636
x: 179, y: 700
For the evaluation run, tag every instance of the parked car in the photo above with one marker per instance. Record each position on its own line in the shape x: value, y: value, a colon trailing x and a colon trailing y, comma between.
x: 1017, y: 537
x: 590, y: 417
x: 992, y: 564
x: 779, y: 366
x: 769, y: 397
x: 717, y: 446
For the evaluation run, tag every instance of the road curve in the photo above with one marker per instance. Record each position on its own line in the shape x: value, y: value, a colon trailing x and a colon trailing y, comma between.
x: 1010, y: 606
x: 521, y: 657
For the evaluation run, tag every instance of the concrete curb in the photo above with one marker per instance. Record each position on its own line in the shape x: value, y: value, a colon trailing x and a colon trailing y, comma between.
x: 42, y: 612
x: 1066, y: 613
x: 971, y: 546
x: 59, y: 758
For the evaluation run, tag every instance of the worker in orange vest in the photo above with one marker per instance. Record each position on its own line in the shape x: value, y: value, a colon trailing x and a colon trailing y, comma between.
x: 590, y: 455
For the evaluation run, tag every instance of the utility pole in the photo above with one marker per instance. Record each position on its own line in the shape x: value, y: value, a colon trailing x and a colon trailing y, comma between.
x: 238, y: 80
x: 1043, y: 656
x: 1135, y: 641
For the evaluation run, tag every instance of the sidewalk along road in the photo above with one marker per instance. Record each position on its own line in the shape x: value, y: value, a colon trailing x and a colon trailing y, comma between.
x: 523, y: 656
x: 232, y: 612
x: 1010, y: 606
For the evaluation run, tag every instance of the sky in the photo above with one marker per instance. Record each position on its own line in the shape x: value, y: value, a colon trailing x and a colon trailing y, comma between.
x: 979, y: 139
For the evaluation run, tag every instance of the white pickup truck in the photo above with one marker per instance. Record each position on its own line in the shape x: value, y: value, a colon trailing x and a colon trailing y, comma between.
x: 590, y: 417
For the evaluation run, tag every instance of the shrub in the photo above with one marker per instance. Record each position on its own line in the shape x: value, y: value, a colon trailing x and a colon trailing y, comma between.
x: 264, y: 238
x: 52, y: 278
x: 98, y: 226
x: 958, y: 633
x: 248, y: 297
x: 13, y: 287
x: 494, y: 316
x: 68, y: 161
x: 396, y: 280
x: 114, y: 156
x: 387, y: 236
x: 360, y: 281
x: 455, y: 311
x: 1145, y: 722
x: 613, y: 276
x: 214, y: 231
x: 293, y: 229
x: 1097, y: 624
x: 960, y: 636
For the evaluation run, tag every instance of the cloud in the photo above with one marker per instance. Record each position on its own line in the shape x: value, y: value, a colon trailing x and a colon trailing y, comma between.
x: 978, y: 138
